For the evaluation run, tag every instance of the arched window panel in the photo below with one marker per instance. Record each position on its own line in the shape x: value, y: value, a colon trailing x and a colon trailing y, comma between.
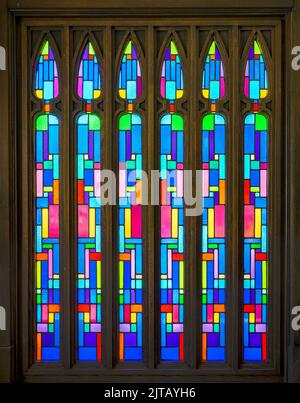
x: 214, y: 237
x: 47, y: 209
x: 214, y: 184
x: 256, y: 133
x: 130, y: 76
x: 89, y: 77
x: 213, y: 81
x: 171, y: 80
x: 46, y: 81
x: 172, y: 243
x: 172, y: 208
x: 256, y: 83
x: 131, y: 283
x: 88, y: 177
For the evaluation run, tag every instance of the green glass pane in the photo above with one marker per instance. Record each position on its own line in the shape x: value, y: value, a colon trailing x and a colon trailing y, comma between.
x: 177, y: 122
x: 45, y: 50
x: 174, y: 50
x: 94, y: 122
x: 42, y: 123
x: 261, y: 122
x: 125, y: 122
x: 208, y: 122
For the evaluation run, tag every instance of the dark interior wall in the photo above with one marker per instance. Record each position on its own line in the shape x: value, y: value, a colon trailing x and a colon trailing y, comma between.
x: 7, y: 193
x: 5, y: 268
x: 293, y: 207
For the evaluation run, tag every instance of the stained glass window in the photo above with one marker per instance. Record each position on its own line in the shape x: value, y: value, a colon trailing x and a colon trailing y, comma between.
x: 214, y: 211
x: 88, y: 176
x: 140, y: 118
x: 172, y: 211
x: 130, y: 211
x: 47, y: 209
x: 255, y: 210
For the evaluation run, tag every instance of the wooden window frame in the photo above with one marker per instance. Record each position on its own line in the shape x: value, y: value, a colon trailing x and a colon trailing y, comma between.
x: 22, y: 14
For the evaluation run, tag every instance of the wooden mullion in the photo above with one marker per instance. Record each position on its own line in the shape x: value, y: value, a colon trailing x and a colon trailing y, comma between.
x: 192, y: 230
x: 234, y: 209
x: 276, y: 206
x: 149, y: 233
x: 65, y: 244
x: 107, y: 227
x: 26, y: 280
x: 73, y: 206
